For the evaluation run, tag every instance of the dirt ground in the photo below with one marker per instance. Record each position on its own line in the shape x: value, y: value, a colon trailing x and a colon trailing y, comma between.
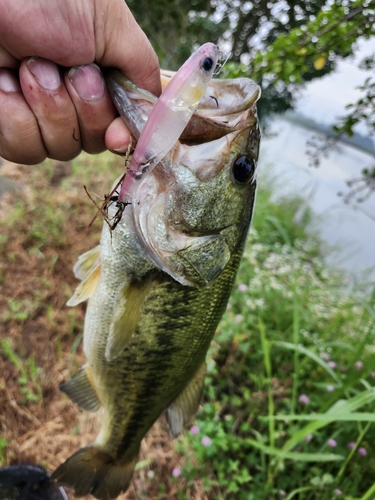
x: 43, y: 231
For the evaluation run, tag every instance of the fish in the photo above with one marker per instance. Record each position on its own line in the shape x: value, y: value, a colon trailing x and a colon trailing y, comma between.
x: 159, y: 282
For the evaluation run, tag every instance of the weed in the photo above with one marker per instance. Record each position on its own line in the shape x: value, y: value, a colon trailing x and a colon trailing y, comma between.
x: 11, y: 257
x: 3, y: 241
x: 3, y: 445
x: 73, y: 350
x: 20, y: 310
x: 29, y: 373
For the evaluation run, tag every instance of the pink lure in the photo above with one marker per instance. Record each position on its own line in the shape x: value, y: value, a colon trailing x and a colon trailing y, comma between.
x: 171, y: 114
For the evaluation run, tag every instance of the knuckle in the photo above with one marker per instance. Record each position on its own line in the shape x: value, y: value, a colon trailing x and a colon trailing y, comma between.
x: 20, y: 142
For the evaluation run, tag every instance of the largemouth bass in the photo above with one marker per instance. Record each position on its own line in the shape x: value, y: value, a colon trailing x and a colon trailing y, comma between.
x: 159, y: 282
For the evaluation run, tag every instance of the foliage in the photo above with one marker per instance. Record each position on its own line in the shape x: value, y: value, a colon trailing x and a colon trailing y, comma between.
x: 289, y: 399
x: 175, y: 28
x: 363, y: 111
x: 306, y: 51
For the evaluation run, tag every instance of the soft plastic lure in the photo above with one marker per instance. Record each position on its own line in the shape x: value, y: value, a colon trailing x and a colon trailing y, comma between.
x: 171, y: 114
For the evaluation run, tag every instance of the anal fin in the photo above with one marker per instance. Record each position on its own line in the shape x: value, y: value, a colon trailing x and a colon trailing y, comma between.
x: 126, y: 316
x: 80, y: 390
x: 184, y: 407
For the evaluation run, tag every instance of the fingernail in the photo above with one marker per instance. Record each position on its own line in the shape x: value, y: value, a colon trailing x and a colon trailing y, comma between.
x: 46, y: 72
x: 8, y: 82
x: 87, y: 81
x: 121, y: 149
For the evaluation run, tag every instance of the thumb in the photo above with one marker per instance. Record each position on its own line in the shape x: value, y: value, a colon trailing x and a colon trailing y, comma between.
x: 122, y: 44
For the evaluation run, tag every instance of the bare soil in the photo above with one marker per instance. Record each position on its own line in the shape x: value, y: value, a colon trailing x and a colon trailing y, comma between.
x: 43, y: 231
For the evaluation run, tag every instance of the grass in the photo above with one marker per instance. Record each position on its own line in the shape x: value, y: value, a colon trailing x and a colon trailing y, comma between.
x: 29, y: 373
x: 290, y: 393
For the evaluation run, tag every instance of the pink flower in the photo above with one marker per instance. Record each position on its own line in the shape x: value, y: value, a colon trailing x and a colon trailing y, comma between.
x: 351, y: 445
x: 206, y: 441
x: 150, y: 474
x: 304, y: 399
x: 338, y: 492
x: 194, y: 430
x: 332, y: 443
x: 332, y: 364
x: 325, y: 356
x: 242, y: 287
x: 176, y: 472
x: 308, y: 438
x: 358, y: 365
x: 330, y: 388
x: 362, y: 451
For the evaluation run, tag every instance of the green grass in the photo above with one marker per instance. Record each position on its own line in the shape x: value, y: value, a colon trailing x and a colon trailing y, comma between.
x: 29, y: 373
x: 290, y: 391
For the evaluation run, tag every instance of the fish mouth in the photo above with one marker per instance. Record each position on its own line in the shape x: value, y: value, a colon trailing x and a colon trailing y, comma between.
x: 226, y: 106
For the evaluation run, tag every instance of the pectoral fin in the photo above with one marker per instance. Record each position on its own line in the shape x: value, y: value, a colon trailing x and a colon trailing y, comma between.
x: 81, y: 391
x: 87, y: 287
x: 203, y: 259
x: 86, y: 262
x: 182, y: 409
x: 126, y: 316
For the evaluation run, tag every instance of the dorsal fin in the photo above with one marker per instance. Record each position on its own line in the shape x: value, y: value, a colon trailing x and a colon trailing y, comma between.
x: 184, y: 407
x: 86, y: 262
x: 87, y: 287
x: 126, y: 316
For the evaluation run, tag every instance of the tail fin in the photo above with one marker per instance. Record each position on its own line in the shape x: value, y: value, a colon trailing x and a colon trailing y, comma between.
x: 91, y: 470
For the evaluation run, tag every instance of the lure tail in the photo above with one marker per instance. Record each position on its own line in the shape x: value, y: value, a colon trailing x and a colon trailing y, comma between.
x: 93, y: 471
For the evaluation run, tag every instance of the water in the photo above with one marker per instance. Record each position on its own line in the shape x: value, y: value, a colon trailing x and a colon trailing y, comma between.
x: 348, y: 228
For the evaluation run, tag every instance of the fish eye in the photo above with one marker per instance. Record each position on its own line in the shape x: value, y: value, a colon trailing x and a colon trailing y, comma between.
x: 243, y: 169
x: 207, y: 64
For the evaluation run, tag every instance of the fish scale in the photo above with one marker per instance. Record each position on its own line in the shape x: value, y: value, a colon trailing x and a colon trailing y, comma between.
x: 176, y: 347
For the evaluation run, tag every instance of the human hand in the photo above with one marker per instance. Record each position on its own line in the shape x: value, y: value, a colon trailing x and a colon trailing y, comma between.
x: 49, y: 110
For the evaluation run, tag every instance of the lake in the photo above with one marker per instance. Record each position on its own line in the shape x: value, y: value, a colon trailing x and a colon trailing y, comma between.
x: 348, y: 228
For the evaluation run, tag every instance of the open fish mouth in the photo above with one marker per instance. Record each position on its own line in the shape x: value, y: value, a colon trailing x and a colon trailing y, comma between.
x: 219, y: 112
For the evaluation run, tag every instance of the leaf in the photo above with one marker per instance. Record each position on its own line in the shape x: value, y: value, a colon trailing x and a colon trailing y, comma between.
x: 369, y: 493
x: 294, y: 455
x: 144, y: 463
x: 298, y: 490
x: 327, y: 418
x: 341, y: 407
x: 320, y: 63
x: 278, y: 225
x: 303, y: 350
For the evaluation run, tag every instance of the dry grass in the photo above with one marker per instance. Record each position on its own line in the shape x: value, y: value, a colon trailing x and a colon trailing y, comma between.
x: 42, y: 234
